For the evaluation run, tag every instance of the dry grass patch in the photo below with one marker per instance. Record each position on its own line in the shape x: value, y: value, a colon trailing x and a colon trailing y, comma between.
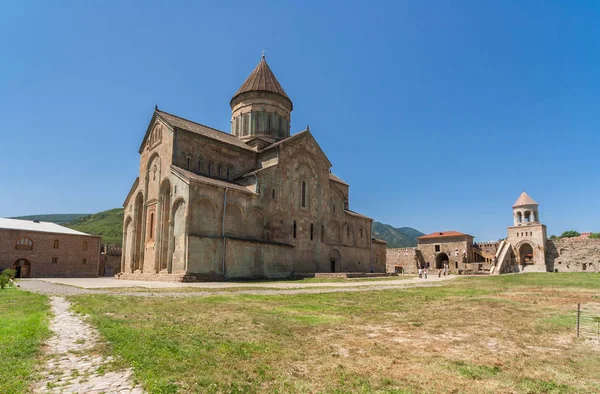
x: 470, y: 336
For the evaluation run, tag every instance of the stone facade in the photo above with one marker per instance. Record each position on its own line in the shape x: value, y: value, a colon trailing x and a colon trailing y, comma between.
x: 403, y: 260
x: 256, y: 203
x: 110, y: 260
x: 36, y: 254
x: 573, y: 255
x: 451, y: 247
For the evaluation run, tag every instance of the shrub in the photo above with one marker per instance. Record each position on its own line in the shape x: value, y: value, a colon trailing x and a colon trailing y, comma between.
x: 595, y: 235
x: 6, y: 276
x: 570, y: 234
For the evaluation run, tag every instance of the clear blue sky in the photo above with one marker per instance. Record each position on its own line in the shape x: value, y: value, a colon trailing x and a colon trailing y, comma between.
x: 438, y: 113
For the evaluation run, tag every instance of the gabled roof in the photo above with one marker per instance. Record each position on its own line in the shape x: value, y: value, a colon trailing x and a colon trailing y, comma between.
x: 358, y: 215
x: 185, y: 124
x: 44, y: 227
x: 297, y: 136
x: 193, y: 177
x: 524, y: 199
x: 261, y: 79
x: 444, y: 234
x: 336, y: 179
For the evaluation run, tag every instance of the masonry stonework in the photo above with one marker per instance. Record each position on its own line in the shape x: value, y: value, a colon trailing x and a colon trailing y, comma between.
x: 50, y: 254
x: 256, y: 203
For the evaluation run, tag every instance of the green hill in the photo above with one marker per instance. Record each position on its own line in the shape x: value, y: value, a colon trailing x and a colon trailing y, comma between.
x: 402, y: 237
x: 57, y: 218
x: 108, y: 224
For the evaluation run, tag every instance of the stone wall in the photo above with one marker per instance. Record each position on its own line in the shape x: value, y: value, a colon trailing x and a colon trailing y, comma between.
x: 402, y: 259
x: 458, y: 250
x: 573, y: 255
x: 110, y: 260
x: 74, y: 256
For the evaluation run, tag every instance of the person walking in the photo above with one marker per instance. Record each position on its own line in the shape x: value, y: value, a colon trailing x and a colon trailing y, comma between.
x: 420, y: 272
x: 445, y: 269
x: 425, y: 272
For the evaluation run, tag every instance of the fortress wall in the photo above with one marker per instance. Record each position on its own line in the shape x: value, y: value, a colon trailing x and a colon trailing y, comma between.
x: 402, y: 257
x: 573, y: 255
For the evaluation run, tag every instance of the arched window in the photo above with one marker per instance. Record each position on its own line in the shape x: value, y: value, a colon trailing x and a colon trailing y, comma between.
x: 188, y: 163
x: 303, y: 195
x: 199, y: 165
x: 273, y: 194
x: 56, y: 243
x: 209, y: 169
x: 219, y: 173
x: 294, y: 229
x: 229, y: 173
x: 311, y: 231
x: 24, y: 244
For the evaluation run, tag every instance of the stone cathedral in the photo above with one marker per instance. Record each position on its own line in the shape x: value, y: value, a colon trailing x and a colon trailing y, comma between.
x: 254, y: 203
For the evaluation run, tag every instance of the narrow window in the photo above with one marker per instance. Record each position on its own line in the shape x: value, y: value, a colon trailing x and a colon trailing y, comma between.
x: 361, y: 232
x: 348, y: 231
x: 294, y: 229
x: 151, y: 225
x: 189, y: 163
x: 322, y: 233
x: 84, y: 245
x: 303, y: 193
x: 333, y: 208
x: 84, y: 261
x: 219, y: 171
x: 54, y: 260
x: 199, y: 165
x: 311, y: 231
x: 273, y: 194
x: 228, y: 173
x: 345, y: 204
x: 209, y: 169
x: 56, y: 244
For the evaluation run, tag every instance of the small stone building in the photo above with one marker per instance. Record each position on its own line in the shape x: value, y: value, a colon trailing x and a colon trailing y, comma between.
x: 254, y: 203
x: 39, y: 249
x: 446, y: 247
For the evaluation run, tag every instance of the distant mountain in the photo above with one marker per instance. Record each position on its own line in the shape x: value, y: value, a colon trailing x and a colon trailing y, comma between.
x: 108, y: 224
x: 57, y: 218
x: 402, y: 237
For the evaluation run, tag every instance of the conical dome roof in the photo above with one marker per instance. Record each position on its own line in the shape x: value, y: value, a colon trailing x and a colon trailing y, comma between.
x: 524, y: 199
x: 261, y: 79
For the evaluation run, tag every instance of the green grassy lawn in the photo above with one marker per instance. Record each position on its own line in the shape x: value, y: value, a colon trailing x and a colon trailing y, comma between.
x: 23, y: 325
x: 474, y: 335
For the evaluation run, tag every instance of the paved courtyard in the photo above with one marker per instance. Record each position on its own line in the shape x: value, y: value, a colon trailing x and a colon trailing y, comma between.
x: 77, y: 286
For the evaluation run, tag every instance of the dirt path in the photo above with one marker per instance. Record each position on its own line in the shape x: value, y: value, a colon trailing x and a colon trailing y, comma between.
x: 74, y: 366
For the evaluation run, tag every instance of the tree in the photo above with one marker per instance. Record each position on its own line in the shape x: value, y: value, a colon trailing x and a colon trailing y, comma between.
x: 553, y: 237
x: 595, y: 235
x: 570, y: 234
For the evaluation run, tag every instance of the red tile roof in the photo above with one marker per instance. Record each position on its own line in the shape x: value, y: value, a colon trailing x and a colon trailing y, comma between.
x: 444, y: 234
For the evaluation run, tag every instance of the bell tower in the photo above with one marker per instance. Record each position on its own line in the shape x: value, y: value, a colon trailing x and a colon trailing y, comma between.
x: 527, y: 236
x: 260, y: 107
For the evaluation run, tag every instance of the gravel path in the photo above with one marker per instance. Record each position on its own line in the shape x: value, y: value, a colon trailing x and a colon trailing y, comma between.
x: 74, y: 367
x: 55, y: 289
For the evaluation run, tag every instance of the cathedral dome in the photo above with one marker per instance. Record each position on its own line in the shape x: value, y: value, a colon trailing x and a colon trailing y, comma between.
x: 260, y: 107
x: 261, y: 79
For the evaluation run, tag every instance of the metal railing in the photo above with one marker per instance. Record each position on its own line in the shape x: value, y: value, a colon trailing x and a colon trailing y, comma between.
x: 588, y: 321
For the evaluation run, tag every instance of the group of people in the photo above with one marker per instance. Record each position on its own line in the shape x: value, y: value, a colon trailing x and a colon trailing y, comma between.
x: 424, y: 269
